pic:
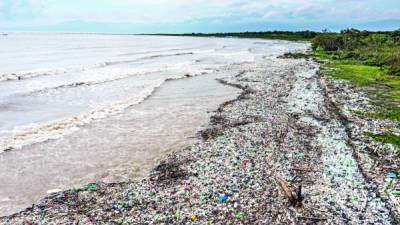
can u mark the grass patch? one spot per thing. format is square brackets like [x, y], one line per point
[360, 75]
[323, 55]
[388, 111]
[383, 88]
[388, 138]
[380, 49]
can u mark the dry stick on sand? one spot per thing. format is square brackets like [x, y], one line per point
[295, 199]
[283, 184]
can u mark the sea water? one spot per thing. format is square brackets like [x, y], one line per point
[79, 108]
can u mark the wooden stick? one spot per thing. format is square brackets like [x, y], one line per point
[283, 184]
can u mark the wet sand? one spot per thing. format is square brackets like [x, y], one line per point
[120, 148]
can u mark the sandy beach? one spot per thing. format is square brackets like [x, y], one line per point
[284, 151]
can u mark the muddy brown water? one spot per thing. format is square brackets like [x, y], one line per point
[120, 148]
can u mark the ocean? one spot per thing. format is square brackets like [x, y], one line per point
[79, 108]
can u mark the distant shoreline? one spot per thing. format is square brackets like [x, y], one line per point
[271, 35]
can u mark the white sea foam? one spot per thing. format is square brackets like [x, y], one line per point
[22, 75]
[90, 77]
[36, 133]
[55, 129]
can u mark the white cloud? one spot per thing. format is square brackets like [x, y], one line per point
[157, 11]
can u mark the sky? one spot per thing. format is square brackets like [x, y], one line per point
[179, 16]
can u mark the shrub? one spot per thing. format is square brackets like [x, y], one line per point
[394, 68]
[375, 59]
[396, 36]
[350, 55]
[328, 42]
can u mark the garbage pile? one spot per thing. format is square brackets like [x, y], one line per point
[379, 162]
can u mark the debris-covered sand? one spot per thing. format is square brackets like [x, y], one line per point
[284, 152]
[379, 163]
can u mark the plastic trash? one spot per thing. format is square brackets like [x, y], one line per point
[298, 156]
[392, 175]
[246, 180]
[245, 162]
[121, 205]
[89, 187]
[178, 214]
[185, 184]
[193, 217]
[239, 216]
[223, 197]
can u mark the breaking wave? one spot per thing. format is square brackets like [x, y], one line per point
[55, 129]
[28, 135]
[147, 58]
[32, 74]
[86, 83]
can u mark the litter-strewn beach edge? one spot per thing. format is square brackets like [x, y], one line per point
[283, 152]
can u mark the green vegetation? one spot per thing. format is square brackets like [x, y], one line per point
[381, 49]
[361, 75]
[364, 58]
[278, 35]
[389, 138]
[384, 89]
[370, 60]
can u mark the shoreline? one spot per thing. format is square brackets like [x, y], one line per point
[146, 133]
[278, 137]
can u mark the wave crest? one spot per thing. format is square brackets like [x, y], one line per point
[56, 129]
[38, 73]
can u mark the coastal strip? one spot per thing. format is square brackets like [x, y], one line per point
[276, 154]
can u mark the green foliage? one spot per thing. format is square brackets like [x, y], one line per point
[279, 35]
[361, 75]
[320, 54]
[380, 49]
[328, 42]
[365, 58]
[389, 111]
[394, 68]
[388, 138]
[384, 89]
